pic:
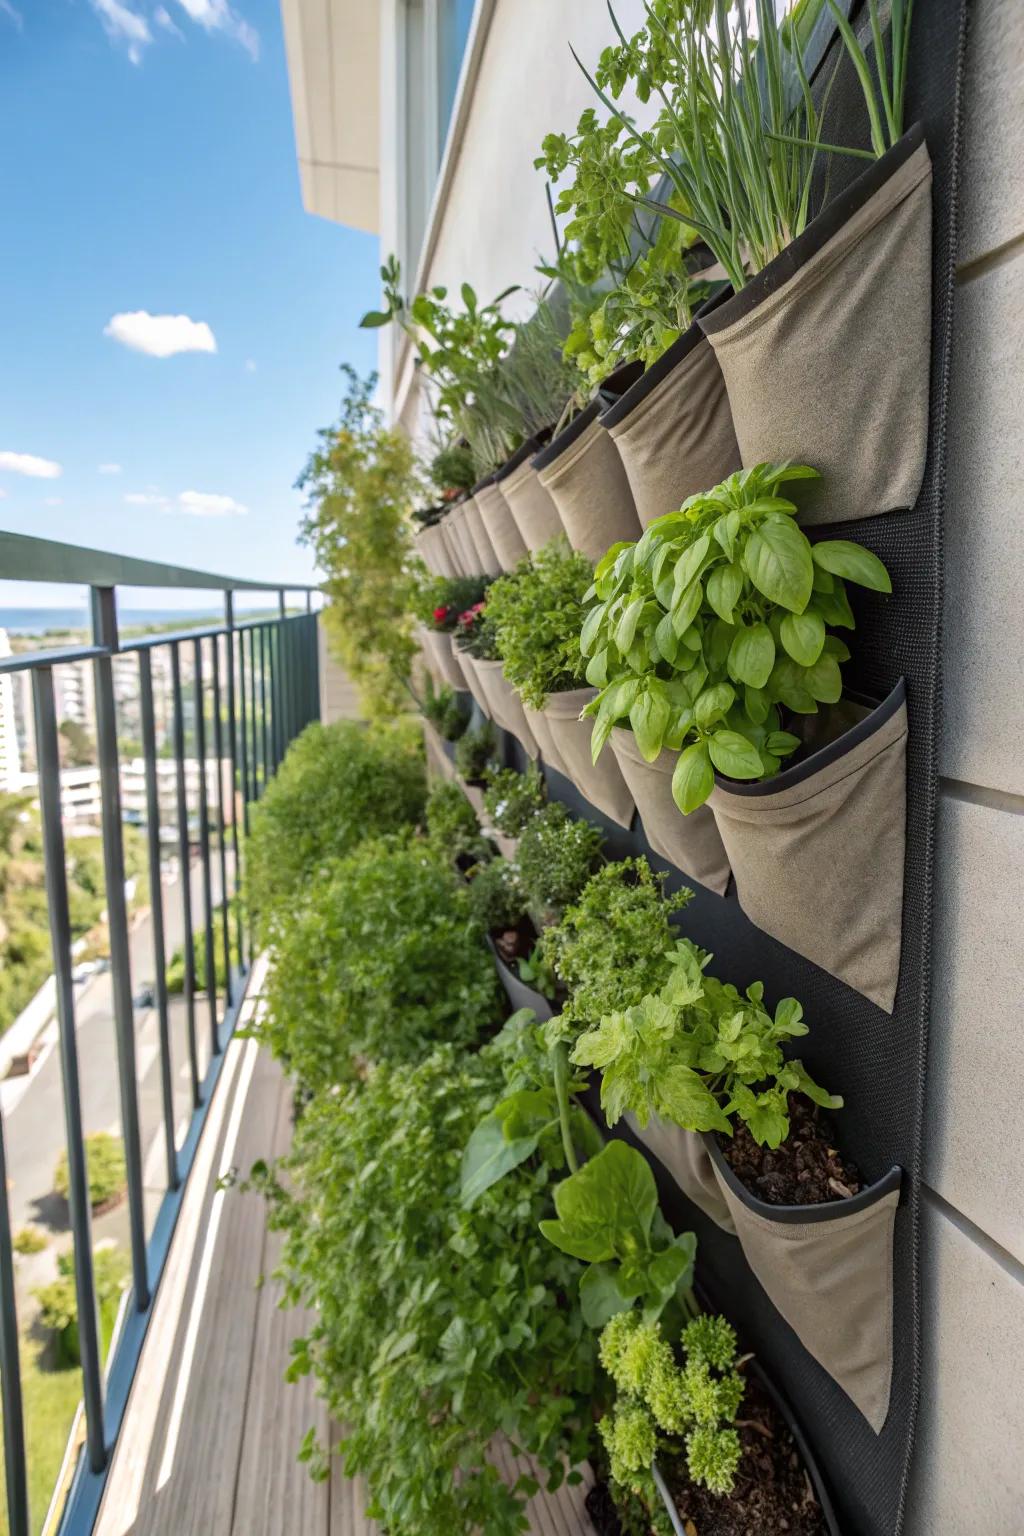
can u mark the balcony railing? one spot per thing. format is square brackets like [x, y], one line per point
[242, 690]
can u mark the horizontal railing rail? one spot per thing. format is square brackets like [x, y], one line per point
[240, 691]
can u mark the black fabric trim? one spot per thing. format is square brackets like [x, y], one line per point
[659, 370]
[818, 232]
[566, 438]
[830, 1210]
[531, 446]
[862, 731]
[621, 379]
[487, 479]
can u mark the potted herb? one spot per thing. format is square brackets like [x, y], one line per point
[510, 799]
[446, 711]
[537, 613]
[713, 1062]
[438, 606]
[452, 828]
[557, 855]
[500, 904]
[474, 756]
[477, 644]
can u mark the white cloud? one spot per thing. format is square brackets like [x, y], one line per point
[15, 16]
[220, 16]
[123, 25]
[146, 499]
[108, 469]
[208, 504]
[29, 464]
[160, 335]
[166, 21]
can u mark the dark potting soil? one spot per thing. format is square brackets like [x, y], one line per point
[806, 1170]
[772, 1495]
[515, 944]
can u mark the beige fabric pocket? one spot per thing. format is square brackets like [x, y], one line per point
[458, 540]
[469, 666]
[687, 1157]
[692, 843]
[602, 782]
[443, 660]
[486, 561]
[538, 722]
[673, 428]
[828, 1270]
[506, 707]
[826, 352]
[430, 548]
[532, 507]
[818, 851]
[588, 483]
[500, 526]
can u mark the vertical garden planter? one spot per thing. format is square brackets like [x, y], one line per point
[432, 548]
[831, 828]
[506, 707]
[602, 782]
[826, 351]
[518, 993]
[531, 505]
[538, 722]
[442, 657]
[582, 471]
[469, 665]
[500, 526]
[464, 555]
[692, 843]
[686, 1157]
[487, 562]
[673, 428]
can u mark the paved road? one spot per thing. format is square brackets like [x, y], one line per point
[33, 1107]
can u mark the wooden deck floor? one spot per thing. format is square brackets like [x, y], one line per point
[210, 1437]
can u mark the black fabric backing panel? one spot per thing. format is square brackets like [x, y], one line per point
[876, 1061]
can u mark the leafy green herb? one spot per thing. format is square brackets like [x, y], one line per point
[474, 752]
[447, 713]
[698, 1053]
[497, 898]
[441, 600]
[452, 827]
[511, 798]
[537, 611]
[557, 855]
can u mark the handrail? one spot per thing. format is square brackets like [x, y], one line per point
[23, 557]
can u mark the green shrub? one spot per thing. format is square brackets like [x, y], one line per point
[474, 752]
[537, 613]
[447, 713]
[452, 827]
[58, 1301]
[108, 1174]
[176, 964]
[511, 798]
[338, 784]
[385, 962]
[435, 1326]
[611, 947]
[557, 855]
[497, 898]
[28, 1240]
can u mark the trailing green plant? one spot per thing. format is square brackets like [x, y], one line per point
[497, 896]
[511, 798]
[337, 785]
[700, 1054]
[441, 599]
[105, 1166]
[661, 1401]
[557, 854]
[537, 611]
[715, 618]
[474, 752]
[452, 827]
[611, 947]
[434, 1325]
[384, 963]
[360, 483]
[447, 712]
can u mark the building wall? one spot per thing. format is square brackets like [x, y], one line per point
[968, 1472]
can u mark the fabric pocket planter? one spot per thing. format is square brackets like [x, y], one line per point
[463, 554]
[518, 993]
[692, 843]
[539, 724]
[828, 1270]
[487, 562]
[468, 664]
[583, 472]
[532, 508]
[441, 653]
[500, 526]
[432, 550]
[673, 428]
[826, 351]
[818, 850]
[686, 1157]
[602, 782]
[505, 704]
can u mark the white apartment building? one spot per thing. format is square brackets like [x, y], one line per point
[82, 804]
[10, 751]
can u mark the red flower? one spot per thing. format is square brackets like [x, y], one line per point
[440, 614]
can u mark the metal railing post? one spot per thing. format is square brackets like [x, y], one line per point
[15, 1463]
[222, 840]
[236, 733]
[185, 868]
[204, 844]
[156, 901]
[104, 628]
[48, 762]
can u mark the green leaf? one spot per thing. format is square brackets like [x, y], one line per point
[626, 628]
[714, 704]
[600, 1296]
[672, 1269]
[724, 586]
[824, 681]
[649, 718]
[665, 640]
[733, 755]
[781, 743]
[689, 563]
[756, 704]
[597, 669]
[374, 318]
[606, 1209]
[591, 625]
[841, 557]
[803, 635]
[686, 607]
[489, 1156]
[777, 558]
[693, 778]
[752, 655]
[682, 1096]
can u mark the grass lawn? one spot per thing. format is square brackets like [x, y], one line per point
[50, 1398]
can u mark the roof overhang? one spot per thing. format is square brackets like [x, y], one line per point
[333, 49]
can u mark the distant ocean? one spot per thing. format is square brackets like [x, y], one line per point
[35, 621]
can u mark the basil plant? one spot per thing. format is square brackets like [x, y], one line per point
[703, 631]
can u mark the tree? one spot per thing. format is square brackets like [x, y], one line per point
[77, 748]
[361, 482]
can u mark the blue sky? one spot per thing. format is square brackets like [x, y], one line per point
[147, 162]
